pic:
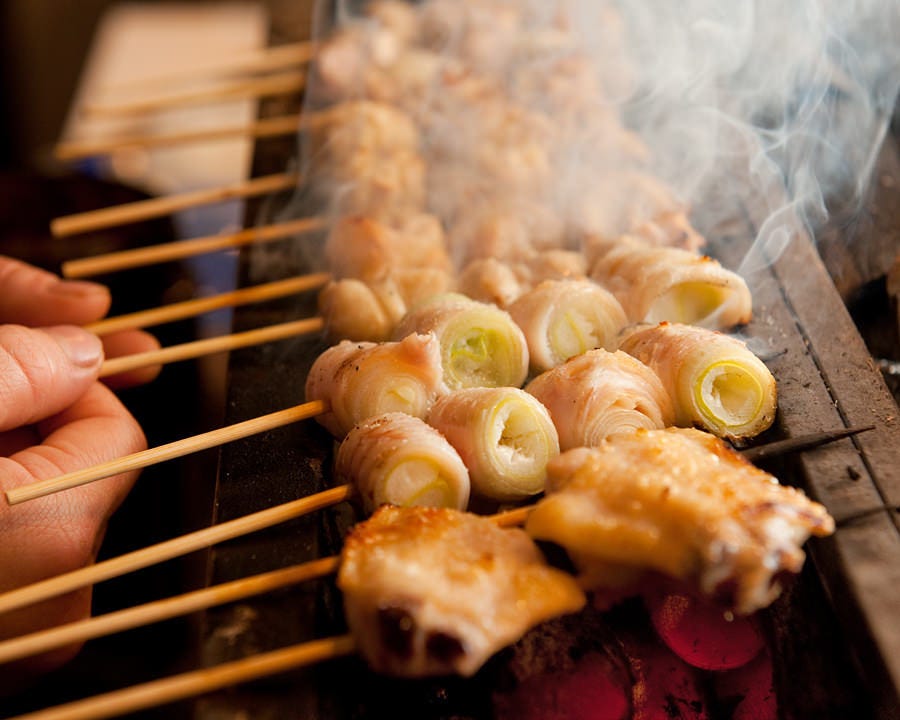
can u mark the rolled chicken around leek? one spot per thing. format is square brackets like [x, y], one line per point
[504, 436]
[599, 394]
[398, 459]
[714, 380]
[359, 380]
[481, 345]
[564, 318]
[659, 283]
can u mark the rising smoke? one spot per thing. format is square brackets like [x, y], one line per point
[770, 109]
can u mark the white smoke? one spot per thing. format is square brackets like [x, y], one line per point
[769, 109]
[776, 107]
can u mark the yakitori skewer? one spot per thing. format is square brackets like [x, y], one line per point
[803, 442]
[180, 249]
[168, 549]
[159, 610]
[276, 57]
[268, 127]
[198, 306]
[198, 682]
[172, 450]
[189, 684]
[161, 206]
[208, 346]
[281, 84]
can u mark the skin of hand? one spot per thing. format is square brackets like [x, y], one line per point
[56, 417]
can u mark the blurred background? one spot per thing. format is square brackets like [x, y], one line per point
[57, 53]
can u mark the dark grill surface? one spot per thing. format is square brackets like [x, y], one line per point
[835, 633]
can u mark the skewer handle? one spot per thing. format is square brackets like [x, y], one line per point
[198, 682]
[161, 206]
[199, 348]
[265, 128]
[159, 610]
[180, 249]
[198, 306]
[803, 442]
[282, 84]
[114, 567]
[179, 448]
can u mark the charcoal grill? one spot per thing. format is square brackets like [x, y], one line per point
[836, 632]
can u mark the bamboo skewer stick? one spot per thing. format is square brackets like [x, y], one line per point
[180, 249]
[281, 84]
[168, 549]
[130, 618]
[198, 306]
[161, 206]
[198, 682]
[268, 127]
[798, 444]
[172, 450]
[276, 57]
[209, 346]
[159, 610]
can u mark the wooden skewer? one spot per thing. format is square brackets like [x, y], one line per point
[281, 84]
[802, 442]
[269, 127]
[172, 450]
[159, 610]
[208, 346]
[198, 306]
[198, 682]
[168, 549]
[161, 206]
[180, 249]
[190, 684]
[276, 57]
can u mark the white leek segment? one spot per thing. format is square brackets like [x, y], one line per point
[715, 381]
[398, 459]
[599, 394]
[481, 345]
[359, 380]
[504, 436]
[665, 283]
[564, 318]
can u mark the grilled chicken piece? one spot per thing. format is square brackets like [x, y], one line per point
[366, 160]
[600, 393]
[564, 318]
[666, 283]
[399, 459]
[382, 270]
[364, 379]
[683, 503]
[433, 591]
[504, 436]
[714, 380]
[481, 346]
[363, 248]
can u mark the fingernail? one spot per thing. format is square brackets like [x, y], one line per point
[77, 288]
[84, 349]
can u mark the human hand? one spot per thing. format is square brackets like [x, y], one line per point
[55, 417]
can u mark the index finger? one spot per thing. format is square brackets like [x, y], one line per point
[34, 297]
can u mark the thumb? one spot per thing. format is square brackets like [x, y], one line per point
[43, 371]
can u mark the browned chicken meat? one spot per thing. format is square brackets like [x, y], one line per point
[433, 591]
[683, 503]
